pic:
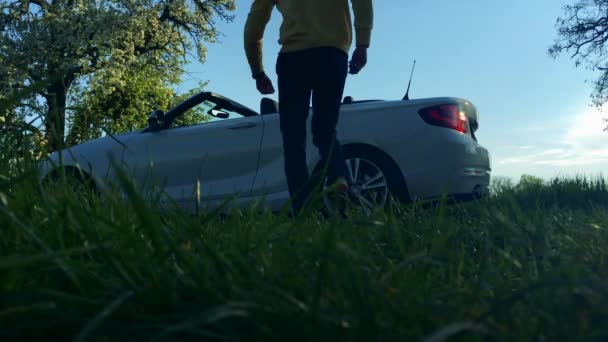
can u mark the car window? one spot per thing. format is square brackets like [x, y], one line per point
[201, 114]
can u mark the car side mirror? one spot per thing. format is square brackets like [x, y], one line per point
[156, 120]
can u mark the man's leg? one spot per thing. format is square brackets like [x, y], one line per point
[294, 102]
[328, 88]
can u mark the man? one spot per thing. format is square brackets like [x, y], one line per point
[316, 36]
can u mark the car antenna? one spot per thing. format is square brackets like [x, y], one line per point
[407, 95]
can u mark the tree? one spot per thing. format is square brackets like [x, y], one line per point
[58, 42]
[110, 105]
[530, 183]
[583, 32]
[19, 139]
[113, 104]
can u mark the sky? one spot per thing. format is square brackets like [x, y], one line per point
[535, 112]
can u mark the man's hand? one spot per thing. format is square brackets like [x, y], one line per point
[264, 85]
[358, 61]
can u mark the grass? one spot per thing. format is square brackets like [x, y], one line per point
[526, 264]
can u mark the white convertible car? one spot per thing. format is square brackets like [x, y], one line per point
[410, 149]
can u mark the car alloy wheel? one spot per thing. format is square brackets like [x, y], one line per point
[368, 186]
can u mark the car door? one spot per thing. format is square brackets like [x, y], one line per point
[222, 156]
[271, 183]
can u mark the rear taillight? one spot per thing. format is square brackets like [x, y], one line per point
[448, 116]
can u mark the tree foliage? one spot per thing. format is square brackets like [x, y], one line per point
[583, 33]
[530, 183]
[110, 105]
[114, 104]
[59, 42]
[19, 139]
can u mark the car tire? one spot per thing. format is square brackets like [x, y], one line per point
[375, 179]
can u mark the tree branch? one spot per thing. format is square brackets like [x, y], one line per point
[40, 3]
[71, 74]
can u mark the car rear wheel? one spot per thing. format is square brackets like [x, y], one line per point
[374, 181]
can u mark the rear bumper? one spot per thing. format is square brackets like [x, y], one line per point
[473, 182]
[444, 182]
[446, 164]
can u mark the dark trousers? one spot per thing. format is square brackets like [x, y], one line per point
[318, 74]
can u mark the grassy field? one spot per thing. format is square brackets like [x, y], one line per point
[529, 263]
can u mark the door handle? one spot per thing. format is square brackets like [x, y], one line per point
[243, 126]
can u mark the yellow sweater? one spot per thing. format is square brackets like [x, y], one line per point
[308, 24]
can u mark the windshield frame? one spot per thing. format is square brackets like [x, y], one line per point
[220, 102]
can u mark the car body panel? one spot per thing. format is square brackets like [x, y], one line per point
[221, 156]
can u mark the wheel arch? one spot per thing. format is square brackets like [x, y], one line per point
[396, 177]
